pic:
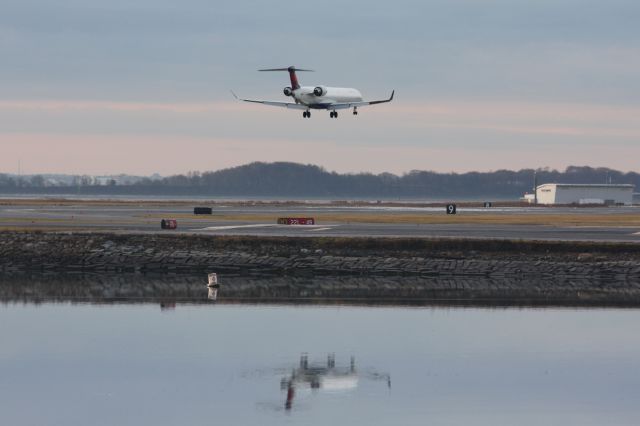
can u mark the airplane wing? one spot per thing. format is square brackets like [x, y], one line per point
[291, 105]
[346, 105]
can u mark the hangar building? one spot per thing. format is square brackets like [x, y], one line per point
[567, 193]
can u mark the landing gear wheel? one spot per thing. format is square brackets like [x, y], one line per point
[355, 112]
[335, 114]
[306, 114]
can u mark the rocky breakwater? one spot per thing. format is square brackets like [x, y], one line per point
[91, 252]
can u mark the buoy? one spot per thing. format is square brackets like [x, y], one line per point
[213, 280]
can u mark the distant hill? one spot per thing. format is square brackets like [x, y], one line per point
[282, 179]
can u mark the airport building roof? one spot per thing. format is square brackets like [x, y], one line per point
[589, 185]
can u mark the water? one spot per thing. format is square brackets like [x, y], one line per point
[69, 363]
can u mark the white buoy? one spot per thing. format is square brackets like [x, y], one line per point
[213, 280]
[213, 286]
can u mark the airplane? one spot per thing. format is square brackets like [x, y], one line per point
[307, 98]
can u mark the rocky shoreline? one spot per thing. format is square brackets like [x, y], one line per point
[490, 270]
[147, 253]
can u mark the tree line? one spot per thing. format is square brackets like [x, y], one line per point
[282, 179]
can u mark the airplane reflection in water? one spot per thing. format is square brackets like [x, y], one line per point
[320, 377]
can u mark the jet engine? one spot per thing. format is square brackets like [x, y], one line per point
[320, 91]
[287, 91]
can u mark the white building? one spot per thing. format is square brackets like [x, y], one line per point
[566, 193]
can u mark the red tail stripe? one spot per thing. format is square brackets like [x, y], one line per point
[294, 79]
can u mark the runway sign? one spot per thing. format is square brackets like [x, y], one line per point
[451, 209]
[168, 224]
[296, 221]
[202, 210]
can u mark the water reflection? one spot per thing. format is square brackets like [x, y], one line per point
[167, 306]
[328, 377]
[212, 293]
[395, 290]
[132, 364]
[212, 286]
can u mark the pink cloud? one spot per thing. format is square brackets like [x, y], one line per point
[508, 117]
[147, 137]
[78, 105]
[97, 154]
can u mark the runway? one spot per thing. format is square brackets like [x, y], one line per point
[476, 231]
[615, 224]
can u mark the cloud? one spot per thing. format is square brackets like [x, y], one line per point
[132, 107]
[144, 154]
[436, 123]
[509, 81]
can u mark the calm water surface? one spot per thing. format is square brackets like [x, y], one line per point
[137, 364]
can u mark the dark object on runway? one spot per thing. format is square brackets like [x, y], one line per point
[296, 221]
[487, 203]
[202, 210]
[451, 209]
[168, 224]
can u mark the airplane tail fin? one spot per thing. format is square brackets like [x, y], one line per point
[292, 74]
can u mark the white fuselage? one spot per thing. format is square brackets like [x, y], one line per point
[305, 96]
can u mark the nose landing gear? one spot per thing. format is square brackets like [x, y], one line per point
[333, 114]
[355, 110]
[306, 114]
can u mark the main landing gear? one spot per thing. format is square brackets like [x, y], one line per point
[333, 114]
[306, 114]
[355, 111]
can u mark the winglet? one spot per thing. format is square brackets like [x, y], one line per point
[392, 93]
[234, 95]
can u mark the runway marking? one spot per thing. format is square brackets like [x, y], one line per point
[636, 233]
[262, 225]
[226, 227]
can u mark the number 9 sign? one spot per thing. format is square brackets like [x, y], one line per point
[451, 209]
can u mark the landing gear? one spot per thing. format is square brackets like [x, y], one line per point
[355, 111]
[306, 114]
[333, 114]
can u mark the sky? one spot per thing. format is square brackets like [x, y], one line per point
[142, 87]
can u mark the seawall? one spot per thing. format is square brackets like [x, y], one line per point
[147, 253]
[37, 266]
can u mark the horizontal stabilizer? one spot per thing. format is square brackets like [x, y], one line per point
[285, 69]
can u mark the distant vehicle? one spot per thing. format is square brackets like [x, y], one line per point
[307, 98]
